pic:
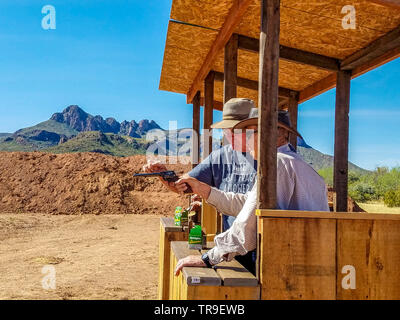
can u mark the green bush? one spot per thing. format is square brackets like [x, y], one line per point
[362, 192]
[354, 177]
[387, 181]
[392, 198]
[378, 185]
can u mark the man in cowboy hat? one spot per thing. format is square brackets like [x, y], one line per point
[299, 187]
[227, 168]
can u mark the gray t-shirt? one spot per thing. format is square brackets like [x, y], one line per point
[227, 170]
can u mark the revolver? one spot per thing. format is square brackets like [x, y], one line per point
[169, 176]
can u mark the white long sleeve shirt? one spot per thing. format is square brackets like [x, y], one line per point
[299, 187]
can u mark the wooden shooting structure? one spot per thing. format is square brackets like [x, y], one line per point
[281, 53]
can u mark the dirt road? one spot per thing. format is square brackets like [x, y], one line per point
[94, 256]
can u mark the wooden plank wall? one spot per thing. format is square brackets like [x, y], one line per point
[307, 258]
[298, 259]
[372, 247]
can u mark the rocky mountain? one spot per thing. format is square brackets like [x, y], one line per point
[79, 120]
[67, 124]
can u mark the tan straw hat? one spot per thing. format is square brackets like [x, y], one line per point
[283, 121]
[235, 110]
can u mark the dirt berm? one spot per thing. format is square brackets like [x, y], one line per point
[78, 183]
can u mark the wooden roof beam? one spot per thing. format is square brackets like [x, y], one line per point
[330, 81]
[376, 49]
[253, 85]
[292, 54]
[218, 105]
[388, 3]
[233, 19]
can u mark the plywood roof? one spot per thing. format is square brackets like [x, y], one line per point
[313, 26]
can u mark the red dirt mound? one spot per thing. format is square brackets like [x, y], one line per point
[79, 183]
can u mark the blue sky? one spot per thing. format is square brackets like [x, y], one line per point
[106, 56]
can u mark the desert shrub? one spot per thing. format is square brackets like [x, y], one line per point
[392, 198]
[354, 177]
[370, 186]
[362, 192]
[390, 180]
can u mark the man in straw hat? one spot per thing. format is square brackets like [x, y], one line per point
[299, 187]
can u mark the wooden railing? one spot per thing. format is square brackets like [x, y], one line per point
[326, 255]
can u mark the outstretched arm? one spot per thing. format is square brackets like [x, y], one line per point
[228, 203]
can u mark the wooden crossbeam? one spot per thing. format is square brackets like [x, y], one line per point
[233, 19]
[253, 85]
[377, 48]
[388, 3]
[217, 105]
[292, 54]
[330, 81]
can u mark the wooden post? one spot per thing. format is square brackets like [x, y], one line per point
[208, 113]
[196, 130]
[340, 173]
[230, 89]
[293, 110]
[168, 232]
[268, 103]
[230, 68]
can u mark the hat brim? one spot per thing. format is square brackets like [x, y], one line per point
[246, 123]
[290, 129]
[254, 122]
[225, 124]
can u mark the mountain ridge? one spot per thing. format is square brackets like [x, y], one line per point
[74, 130]
[81, 121]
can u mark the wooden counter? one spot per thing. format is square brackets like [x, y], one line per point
[228, 281]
